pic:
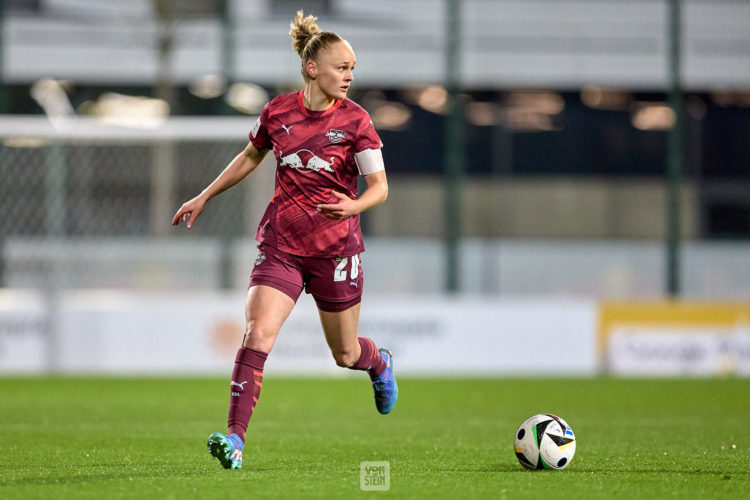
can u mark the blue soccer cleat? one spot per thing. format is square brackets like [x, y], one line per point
[386, 389]
[228, 449]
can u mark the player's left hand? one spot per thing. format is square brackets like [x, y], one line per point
[343, 208]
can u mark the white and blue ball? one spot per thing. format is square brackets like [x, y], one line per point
[545, 441]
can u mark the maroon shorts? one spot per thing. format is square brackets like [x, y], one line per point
[334, 283]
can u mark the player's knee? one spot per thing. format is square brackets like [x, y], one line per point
[258, 338]
[345, 359]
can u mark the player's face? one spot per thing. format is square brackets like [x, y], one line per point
[335, 70]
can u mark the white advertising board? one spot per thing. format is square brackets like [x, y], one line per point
[678, 352]
[460, 335]
[136, 333]
[24, 333]
[675, 338]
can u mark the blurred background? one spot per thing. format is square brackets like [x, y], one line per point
[567, 172]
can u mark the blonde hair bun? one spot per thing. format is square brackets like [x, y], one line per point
[301, 29]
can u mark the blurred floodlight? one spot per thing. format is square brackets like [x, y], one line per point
[532, 111]
[385, 114]
[483, 114]
[548, 103]
[433, 99]
[652, 116]
[609, 99]
[526, 120]
[732, 98]
[409, 95]
[246, 97]
[391, 116]
[51, 96]
[131, 111]
[207, 86]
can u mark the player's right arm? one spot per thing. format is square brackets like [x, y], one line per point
[240, 167]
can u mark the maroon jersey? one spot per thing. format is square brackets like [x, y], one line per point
[314, 156]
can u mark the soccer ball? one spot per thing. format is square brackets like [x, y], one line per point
[545, 441]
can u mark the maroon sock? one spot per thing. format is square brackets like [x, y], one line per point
[370, 359]
[247, 379]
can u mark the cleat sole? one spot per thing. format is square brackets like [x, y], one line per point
[220, 449]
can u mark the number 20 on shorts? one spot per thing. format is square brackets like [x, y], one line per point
[339, 274]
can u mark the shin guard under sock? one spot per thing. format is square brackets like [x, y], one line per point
[247, 379]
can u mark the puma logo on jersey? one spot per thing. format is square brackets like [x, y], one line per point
[287, 129]
[240, 385]
[314, 162]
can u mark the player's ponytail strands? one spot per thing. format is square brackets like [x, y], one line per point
[308, 39]
[302, 29]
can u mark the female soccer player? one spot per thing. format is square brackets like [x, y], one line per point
[309, 236]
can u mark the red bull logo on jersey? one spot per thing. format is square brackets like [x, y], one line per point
[305, 161]
[335, 135]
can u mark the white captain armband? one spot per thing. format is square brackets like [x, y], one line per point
[256, 127]
[369, 161]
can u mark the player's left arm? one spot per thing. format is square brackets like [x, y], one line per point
[370, 164]
[375, 194]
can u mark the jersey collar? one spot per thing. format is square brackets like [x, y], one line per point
[327, 111]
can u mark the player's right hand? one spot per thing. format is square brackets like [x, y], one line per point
[189, 212]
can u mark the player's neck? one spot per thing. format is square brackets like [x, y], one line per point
[315, 100]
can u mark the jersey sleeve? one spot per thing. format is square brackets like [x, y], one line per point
[259, 133]
[367, 137]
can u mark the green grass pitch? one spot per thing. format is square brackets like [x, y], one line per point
[447, 438]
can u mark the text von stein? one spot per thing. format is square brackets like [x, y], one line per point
[375, 475]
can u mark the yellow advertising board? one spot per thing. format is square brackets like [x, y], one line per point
[674, 338]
